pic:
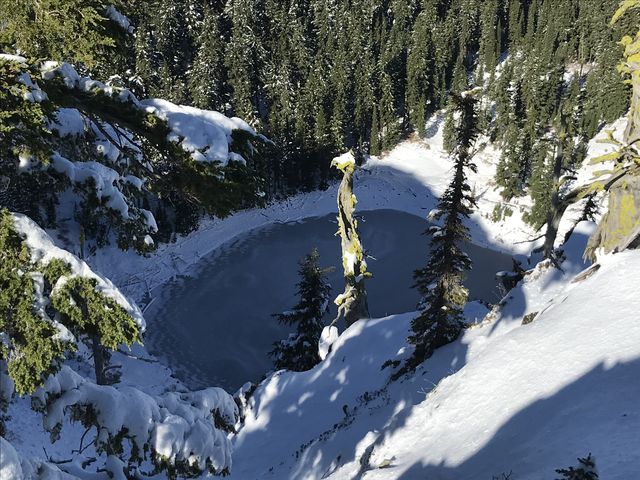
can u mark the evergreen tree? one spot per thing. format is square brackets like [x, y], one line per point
[246, 59]
[440, 317]
[375, 141]
[36, 344]
[420, 72]
[64, 30]
[501, 93]
[207, 78]
[586, 470]
[449, 127]
[542, 182]
[514, 167]
[490, 42]
[175, 47]
[390, 128]
[299, 352]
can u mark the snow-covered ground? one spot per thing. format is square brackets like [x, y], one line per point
[505, 397]
[407, 179]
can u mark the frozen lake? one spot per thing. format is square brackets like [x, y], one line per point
[215, 327]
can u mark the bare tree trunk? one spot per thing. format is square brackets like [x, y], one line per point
[99, 361]
[553, 220]
[352, 304]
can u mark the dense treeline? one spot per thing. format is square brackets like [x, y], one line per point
[319, 77]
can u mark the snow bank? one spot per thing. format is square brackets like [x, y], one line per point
[205, 134]
[178, 427]
[539, 396]
[43, 251]
[15, 467]
[549, 376]
[10, 467]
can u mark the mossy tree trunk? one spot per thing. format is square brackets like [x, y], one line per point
[619, 229]
[352, 304]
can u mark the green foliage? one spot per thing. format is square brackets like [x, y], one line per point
[449, 128]
[86, 311]
[586, 470]
[64, 30]
[541, 186]
[440, 317]
[207, 76]
[500, 212]
[22, 132]
[29, 345]
[34, 345]
[299, 352]
[421, 72]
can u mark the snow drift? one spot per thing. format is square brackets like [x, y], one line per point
[548, 376]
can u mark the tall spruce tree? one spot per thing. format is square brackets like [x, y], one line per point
[440, 318]
[245, 58]
[299, 352]
[420, 71]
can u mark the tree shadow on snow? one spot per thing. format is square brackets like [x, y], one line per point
[597, 413]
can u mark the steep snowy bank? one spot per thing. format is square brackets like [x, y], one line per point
[408, 179]
[506, 397]
[330, 420]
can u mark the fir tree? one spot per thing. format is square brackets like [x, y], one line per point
[420, 72]
[440, 317]
[36, 345]
[207, 79]
[299, 352]
[63, 30]
[542, 182]
[586, 470]
[490, 47]
[245, 59]
[449, 128]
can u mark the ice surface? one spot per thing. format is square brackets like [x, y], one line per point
[211, 334]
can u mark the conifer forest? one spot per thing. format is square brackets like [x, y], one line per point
[320, 239]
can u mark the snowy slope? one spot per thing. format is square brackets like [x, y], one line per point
[409, 179]
[505, 397]
[506, 393]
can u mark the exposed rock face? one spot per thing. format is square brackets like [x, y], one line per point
[619, 229]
